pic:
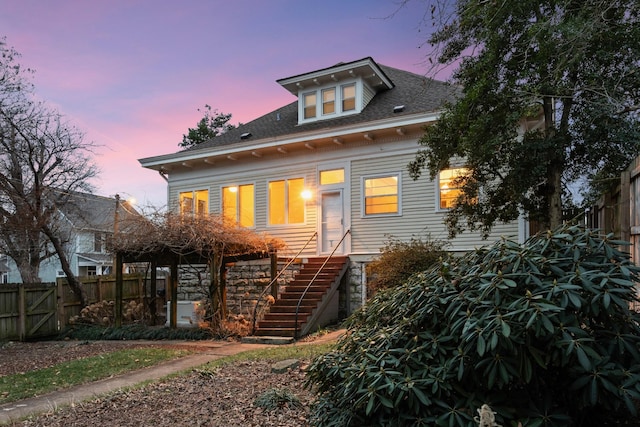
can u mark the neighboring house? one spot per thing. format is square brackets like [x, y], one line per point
[334, 160]
[86, 227]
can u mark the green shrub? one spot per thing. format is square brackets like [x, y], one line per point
[276, 398]
[542, 332]
[398, 260]
[133, 332]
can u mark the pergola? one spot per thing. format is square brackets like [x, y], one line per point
[170, 240]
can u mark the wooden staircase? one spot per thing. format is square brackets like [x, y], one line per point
[319, 306]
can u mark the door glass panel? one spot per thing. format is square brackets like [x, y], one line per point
[332, 221]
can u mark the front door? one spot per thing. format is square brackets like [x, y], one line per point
[332, 221]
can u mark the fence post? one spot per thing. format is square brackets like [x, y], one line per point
[153, 292]
[99, 289]
[173, 316]
[22, 313]
[62, 318]
[118, 304]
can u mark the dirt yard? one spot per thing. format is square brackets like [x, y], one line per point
[223, 398]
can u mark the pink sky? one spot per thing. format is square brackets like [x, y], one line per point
[133, 73]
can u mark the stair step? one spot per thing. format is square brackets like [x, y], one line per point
[275, 332]
[296, 295]
[281, 309]
[306, 278]
[283, 316]
[300, 289]
[271, 324]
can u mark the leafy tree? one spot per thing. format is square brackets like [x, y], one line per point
[542, 332]
[212, 124]
[43, 162]
[572, 63]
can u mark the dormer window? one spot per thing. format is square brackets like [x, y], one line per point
[344, 89]
[328, 101]
[309, 100]
[349, 97]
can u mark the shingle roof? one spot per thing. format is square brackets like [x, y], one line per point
[92, 212]
[416, 93]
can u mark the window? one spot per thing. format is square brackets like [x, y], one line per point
[449, 186]
[97, 242]
[286, 205]
[349, 97]
[238, 204]
[381, 195]
[334, 176]
[92, 270]
[309, 105]
[194, 202]
[329, 101]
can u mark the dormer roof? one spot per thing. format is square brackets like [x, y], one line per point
[365, 68]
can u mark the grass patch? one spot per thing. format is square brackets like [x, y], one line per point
[34, 383]
[306, 351]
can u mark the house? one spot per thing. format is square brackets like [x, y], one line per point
[332, 162]
[86, 226]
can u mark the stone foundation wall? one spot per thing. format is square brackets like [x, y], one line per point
[193, 282]
[353, 292]
[247, 279]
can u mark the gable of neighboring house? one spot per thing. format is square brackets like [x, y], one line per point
[86, 226]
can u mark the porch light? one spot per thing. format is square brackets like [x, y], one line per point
[306, 194]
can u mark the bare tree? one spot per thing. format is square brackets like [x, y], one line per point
[43, 161]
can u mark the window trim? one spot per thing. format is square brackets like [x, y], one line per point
[222, 187]
[286, 206]
[363, 196]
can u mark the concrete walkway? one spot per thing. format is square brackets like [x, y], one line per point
[214, 350]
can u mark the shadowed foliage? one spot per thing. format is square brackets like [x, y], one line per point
[541, 331]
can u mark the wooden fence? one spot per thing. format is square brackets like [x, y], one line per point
[28, 311]
[98, 288]
[41, 310]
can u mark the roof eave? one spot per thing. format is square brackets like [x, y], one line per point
[168, 161]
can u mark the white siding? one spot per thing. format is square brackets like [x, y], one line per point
[418, 215]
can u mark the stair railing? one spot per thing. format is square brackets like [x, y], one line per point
[268, 287]
[295, 327]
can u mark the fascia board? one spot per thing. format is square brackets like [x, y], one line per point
[392, 122]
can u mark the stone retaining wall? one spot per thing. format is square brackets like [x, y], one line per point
[247, 279]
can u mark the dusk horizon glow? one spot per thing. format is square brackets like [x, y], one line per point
[133, 75]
